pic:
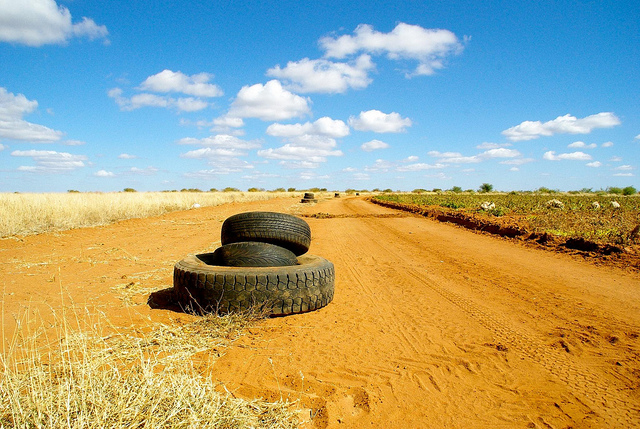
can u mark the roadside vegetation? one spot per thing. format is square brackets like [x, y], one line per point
[89, 374]
[602, 217]
[27, 214]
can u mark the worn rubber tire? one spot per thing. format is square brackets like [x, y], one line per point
[281, 229]
[276, 291]
[252, 254]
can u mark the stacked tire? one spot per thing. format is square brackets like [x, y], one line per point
[262, 263]
[309, 197]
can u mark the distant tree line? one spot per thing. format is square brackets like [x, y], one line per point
[484, 188]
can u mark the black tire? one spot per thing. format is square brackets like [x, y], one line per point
[251, 254]
[277, 291]
[280, 229]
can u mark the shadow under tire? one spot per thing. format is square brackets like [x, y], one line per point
[281, 229]
[276, 291]
[252, 254]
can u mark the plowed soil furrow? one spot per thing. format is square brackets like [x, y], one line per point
[431, 325]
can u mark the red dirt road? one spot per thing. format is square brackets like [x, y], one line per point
[431, 325]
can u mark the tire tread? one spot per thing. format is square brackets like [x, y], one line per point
[299, 289]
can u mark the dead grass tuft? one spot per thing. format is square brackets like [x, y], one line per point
[98, 376]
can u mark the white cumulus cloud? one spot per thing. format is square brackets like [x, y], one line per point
[190, 104]
[224, 124]
[573, 156]
[126, 156]
[14, 127]
[268, 102]
[49, 161]
[104, 173]
[594, 164]
[379, 122]
[487, 145]
[500, 153]
[454, 157]
[420, 166]
[145, 99]
[380, 166]
[41, 22]
[227, 123]
[299, 165]
[324, 126]
[169, 81]
[222, 141]
[148, 171]
[222, 151]
[221, 167]
[324, 76]
[567, 124]
[429, 47]
[581, 144]
[313, 149]
[373, 145]
[607, 144]
[513, 156]
[208, 153]
[517, 161]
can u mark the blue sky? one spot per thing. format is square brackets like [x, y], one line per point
[159, 95]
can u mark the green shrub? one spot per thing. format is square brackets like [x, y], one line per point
[614, 190]
[452, 205]
[486, 187]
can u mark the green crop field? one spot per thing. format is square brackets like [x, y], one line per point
[606, 219]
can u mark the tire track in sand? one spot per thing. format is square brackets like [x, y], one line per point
[610, 403]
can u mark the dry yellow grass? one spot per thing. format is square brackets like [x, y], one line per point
[92, 375]
[25, 214]
[88, 373]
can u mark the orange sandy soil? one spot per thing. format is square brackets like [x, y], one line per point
[431, 325]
